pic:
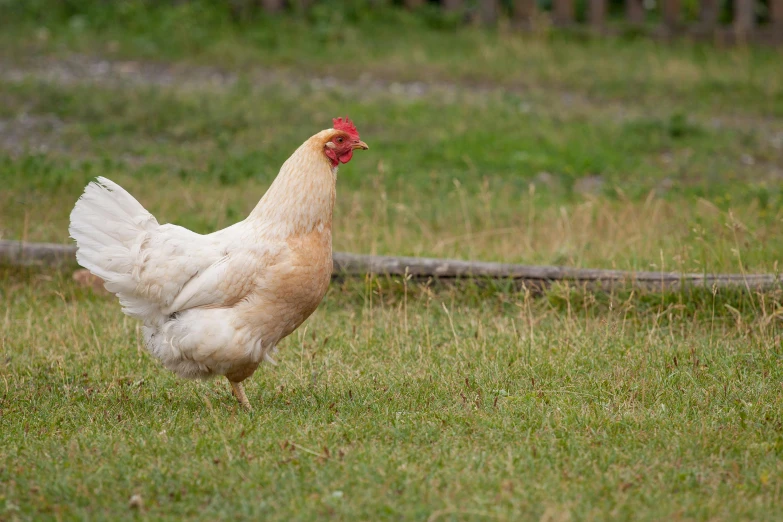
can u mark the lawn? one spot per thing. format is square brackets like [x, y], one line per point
[399, 400]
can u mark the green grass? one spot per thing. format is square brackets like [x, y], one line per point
[403, 404]
[395, 400]
[469, 177]
[349, 39]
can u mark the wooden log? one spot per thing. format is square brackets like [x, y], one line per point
[352, 264]
[347, 265]
[563, 12]
[596, 13]
[18, 253]
[634, 12]
[744, 16]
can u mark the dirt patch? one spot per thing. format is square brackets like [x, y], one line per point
[80, 69]
[31, 133]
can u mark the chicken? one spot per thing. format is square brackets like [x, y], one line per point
[218, 304]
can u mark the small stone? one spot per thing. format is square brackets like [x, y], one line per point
[136, 502]
[589, 185]
[546, 179]
[664, 186]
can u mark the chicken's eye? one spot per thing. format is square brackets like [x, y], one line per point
[339, 140]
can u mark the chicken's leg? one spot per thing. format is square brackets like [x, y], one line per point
[238, 390]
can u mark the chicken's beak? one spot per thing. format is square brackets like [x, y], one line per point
[360, 145]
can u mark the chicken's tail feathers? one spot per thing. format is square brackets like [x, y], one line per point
[109, 225]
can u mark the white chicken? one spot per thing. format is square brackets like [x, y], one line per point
[218, 304]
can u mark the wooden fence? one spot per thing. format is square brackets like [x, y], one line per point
[656, 17]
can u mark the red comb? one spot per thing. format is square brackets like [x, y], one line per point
[346, 126]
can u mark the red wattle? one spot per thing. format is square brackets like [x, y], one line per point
[345, 158]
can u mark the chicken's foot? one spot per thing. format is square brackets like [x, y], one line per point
[238, 391]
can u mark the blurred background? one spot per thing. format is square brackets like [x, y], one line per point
[633, 135]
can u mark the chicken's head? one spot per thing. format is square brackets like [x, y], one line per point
[340, 145]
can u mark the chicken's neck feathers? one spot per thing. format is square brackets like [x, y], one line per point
[300, 199]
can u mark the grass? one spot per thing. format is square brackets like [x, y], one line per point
[467, 408]
[348, 39]
[402, 401]
[550, 186]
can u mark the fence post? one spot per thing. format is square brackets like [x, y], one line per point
[671, 14]
[596, 13]
[523, 12]
[272, 6]
[488, 11]
[563, 12]
[708, 14]
[452, 5]
[776, 15]
[634, 11]
[744, 17]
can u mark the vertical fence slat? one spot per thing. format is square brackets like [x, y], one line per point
[272, 6]
[634, 11]
[671, 14]
[776, 14]
[563, 12]
[488, 11]
[708, 14]
[452, 5]
[596, 13]
[523, 11]
[744, 16]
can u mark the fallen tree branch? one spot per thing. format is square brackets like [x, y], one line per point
[21, 253]
[50, 254]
